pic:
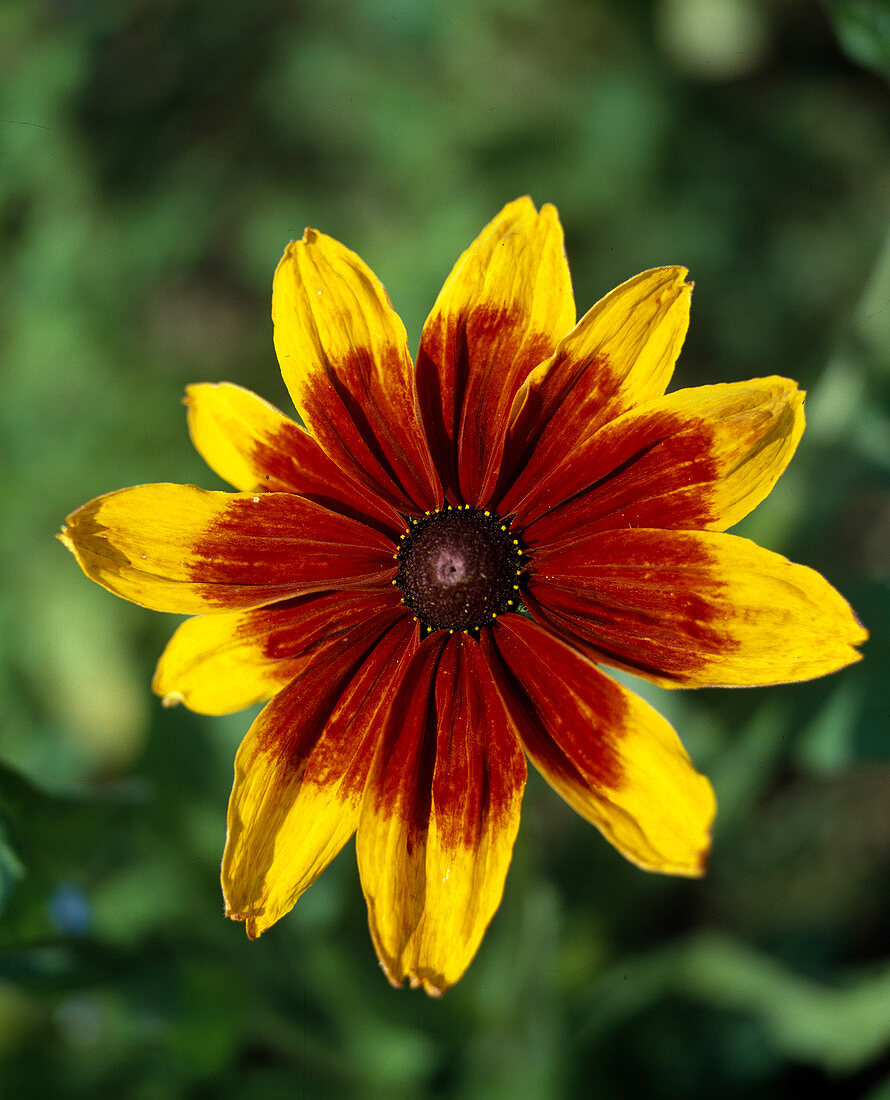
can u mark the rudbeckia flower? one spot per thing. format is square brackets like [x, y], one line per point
[427, 578]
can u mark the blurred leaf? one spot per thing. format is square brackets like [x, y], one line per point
[838, 1028]
[11, 869]
[863, 27]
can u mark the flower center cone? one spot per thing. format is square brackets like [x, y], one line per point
[458, 568]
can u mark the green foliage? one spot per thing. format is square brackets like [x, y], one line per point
[863, 27]
[154, 160]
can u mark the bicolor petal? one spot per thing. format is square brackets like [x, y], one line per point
[256, 448]
[502, 310]
[610, 755]
[182, 549]
[301, 771]
[440, 816]
[689, 608]
[344, 357]
[697, 458]
[216, 664]
[621, 354]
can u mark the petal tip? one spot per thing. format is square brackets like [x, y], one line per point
[524, 204]
[251, 926]
[859, 634]
[701, 867]
[395, 981]
[429, 986]
[433, 985]
[193, 389]
[287, 257]
[678, 280]
[676, 275]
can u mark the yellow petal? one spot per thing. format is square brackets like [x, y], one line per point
[254, 447]
[440, 816]
[216, 664]
[182, 549]
[697, 458]
[239, 435]
[689, 608]
[610, 755]
[619, 355]
[502, 310]
[344, 357]
[301, 771]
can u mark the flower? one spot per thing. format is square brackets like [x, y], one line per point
[426, 580]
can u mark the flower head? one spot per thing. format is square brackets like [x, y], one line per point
[426, 580]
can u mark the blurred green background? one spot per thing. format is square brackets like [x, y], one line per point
[155, 157]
